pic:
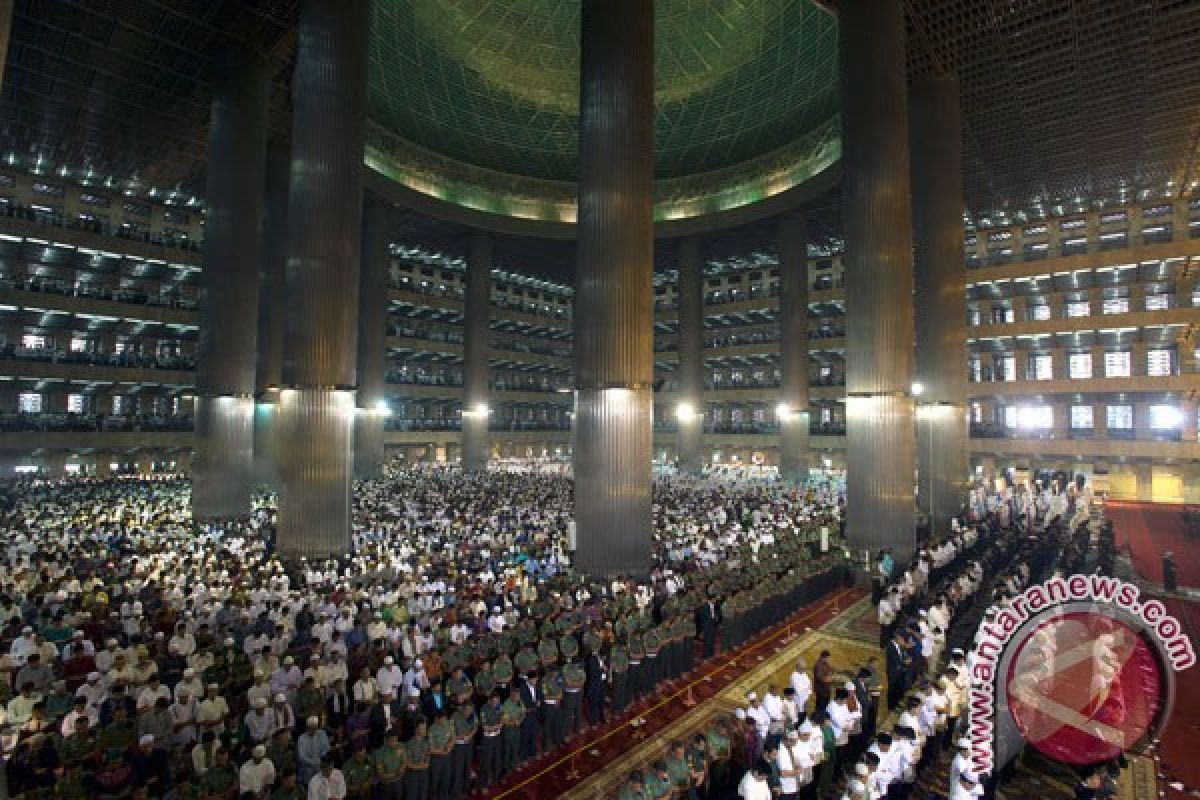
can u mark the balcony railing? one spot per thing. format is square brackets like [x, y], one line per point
[159, 238]
[85, 423]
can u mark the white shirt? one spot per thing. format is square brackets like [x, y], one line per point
[253, 777]
[331, 788]
[762, 720]
[752, 787]
[802, 683]
[787, 783]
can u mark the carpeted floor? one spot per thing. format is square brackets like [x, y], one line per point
[1181, 740]
[1150, 529]
[554, 774]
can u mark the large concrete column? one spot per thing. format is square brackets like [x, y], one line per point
[476, 344]
[793, 410]
[372, 340]
[324, 228]
[614, 315]
[271, 270]
[689, 412]
[879, 278]
[943, 467]
[224, 437]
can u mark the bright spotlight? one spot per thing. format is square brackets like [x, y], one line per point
[917, 389]
[685, 412]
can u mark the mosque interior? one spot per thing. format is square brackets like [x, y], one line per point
[363, 362]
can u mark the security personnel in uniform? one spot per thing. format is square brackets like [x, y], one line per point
[552, 711]
[491, 766]
[441, 743]
[526, 661]
[618, 664]
[502, 673]
[416, 757]
[574, 679]
[512, 714]
[548, 652]
[359, 775]
[466, 725]
[390, 761]
[650, 667]
[637, 655]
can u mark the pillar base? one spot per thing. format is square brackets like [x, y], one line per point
[224, 454]
[368, 444]
[266, 435]
[613, 444]
[793, 449]
[315, 446]
[691, 446]
[943, 468]
[880, 507]
[474, 440]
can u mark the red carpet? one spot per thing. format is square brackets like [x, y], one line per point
[1149, 530]
[1181, 740]
[556, 772]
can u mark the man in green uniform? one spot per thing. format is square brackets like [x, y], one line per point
[466, 725]
[389, 762]
[574, 679]
[441, 743]
[359, 775]
[678, 772]
[527, 660]
[485, 682]
[289, 789]
[651, 674]
[634, 788]
[637, 655]
[281, 752]
[221, 779]
[81, 747]
[416, 753]
[459, 687]
[697, 761]
[502, 673]
[658, 783]
[548, 652]
[552, 712]
[491, 717]
[618, 665]
[512, 714]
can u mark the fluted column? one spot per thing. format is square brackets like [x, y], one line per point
[793, 411]
[943, 468]
[324, 229]
[614, 316]
[271, 271]
[879, 277]
[372, 340]
[477, 316]
[689, 412]
[224, 435]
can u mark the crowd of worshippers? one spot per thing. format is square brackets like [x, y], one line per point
[150, 658]
[817, 738]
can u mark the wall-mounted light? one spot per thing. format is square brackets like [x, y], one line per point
[685, 412]
[917, 389]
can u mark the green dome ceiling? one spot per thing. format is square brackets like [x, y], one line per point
[491, 86]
